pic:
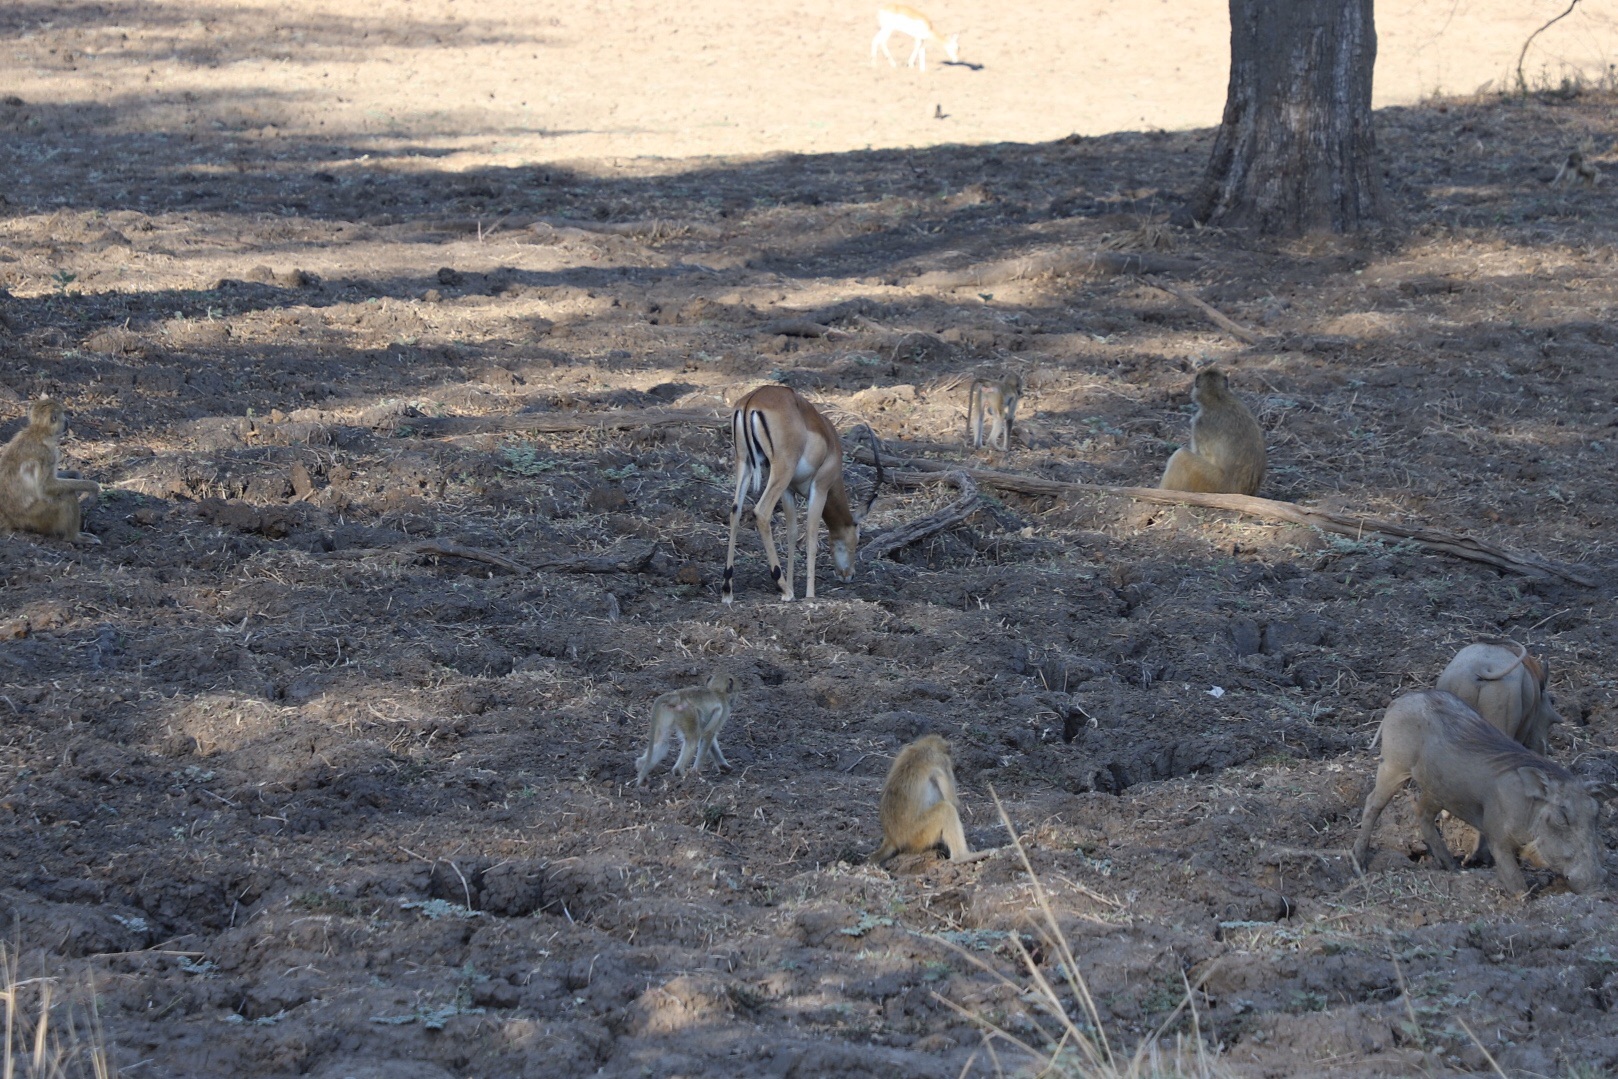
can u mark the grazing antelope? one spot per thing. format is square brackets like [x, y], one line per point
[903, 19]
[778, 432]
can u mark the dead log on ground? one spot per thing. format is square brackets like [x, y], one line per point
[555, 423]
[1441, 540]
[948, 517]
[1444, 541]
[1212, 313]
[1054, 264]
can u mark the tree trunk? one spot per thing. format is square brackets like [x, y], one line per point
[1296, 152]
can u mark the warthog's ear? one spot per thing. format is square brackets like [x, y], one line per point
[1534, 783]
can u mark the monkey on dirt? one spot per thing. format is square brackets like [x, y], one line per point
[920, 808]
[697, 716]
[994, 400]
[1225, 453]
[34, 496]
[1576, 170]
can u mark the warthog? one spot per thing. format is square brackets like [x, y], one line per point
[1519, 801]
[1507, 687]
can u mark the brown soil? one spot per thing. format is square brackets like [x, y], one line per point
[301, 810]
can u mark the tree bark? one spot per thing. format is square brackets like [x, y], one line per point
[1296, 151]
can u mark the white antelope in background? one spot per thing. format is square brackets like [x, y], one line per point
[787, 448]
[903, 19]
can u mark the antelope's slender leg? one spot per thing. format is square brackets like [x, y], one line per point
[763, 510]
[811, 542]
[743, 482]
[789, 505]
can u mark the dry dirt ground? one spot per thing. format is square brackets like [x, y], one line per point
[300, 804]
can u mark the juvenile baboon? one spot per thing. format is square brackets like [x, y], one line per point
[697, 716]
[920, 808]
[996, 401]
[34, 496]
[1226, 450]
[1576, 170]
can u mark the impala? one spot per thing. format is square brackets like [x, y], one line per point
[902, 19]
[790, 451]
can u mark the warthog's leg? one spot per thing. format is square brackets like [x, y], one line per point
[1388, 782]
[1506, 869]
[1428, 812]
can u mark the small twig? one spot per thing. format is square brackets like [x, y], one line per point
[465, 887]
[1486, 1054]
[433, 549]
[631, 558]
[1522, 83]
[145, 951]
[1280, 854]
[1217, 317]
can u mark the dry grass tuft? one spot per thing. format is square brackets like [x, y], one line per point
[49, 1034]
[1149, 234]
[1075, 1045]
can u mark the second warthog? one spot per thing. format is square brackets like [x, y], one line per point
[1508, 687]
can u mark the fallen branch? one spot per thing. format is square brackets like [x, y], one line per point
[1214, 315]
[948, 517]
[552, 423]
[651, 229]
[1457, 544]
[563, 228]
[1051, 263]
[628, 559]
[422, 549]
[797, 327]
